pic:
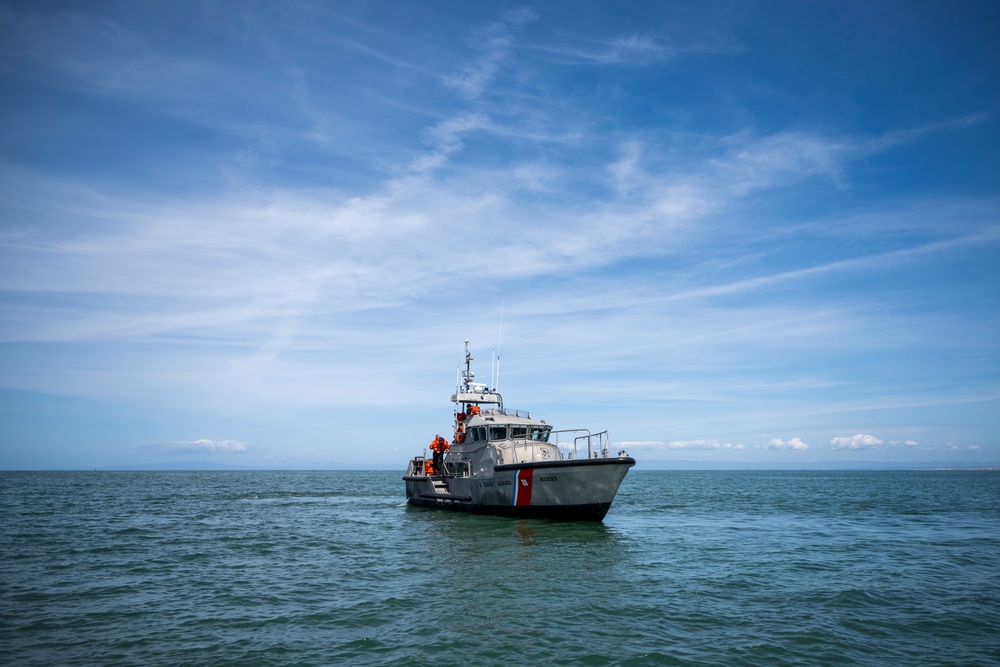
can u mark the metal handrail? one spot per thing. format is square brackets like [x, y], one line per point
[506, 412]
[602, 439]
[461, 468]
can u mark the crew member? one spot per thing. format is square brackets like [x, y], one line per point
[439, 446]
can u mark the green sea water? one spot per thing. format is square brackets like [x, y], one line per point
[331, 568]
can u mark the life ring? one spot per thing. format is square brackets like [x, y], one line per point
[460, 437]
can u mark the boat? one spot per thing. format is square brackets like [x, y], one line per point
[504, 462]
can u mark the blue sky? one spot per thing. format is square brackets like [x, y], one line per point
[257, 233]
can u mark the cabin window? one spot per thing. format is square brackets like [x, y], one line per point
[518, 432]
[498, 432]
[541, 433]
[479, 433]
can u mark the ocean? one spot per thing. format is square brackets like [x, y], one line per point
[255, 568]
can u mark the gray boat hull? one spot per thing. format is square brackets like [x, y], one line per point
[571, 490]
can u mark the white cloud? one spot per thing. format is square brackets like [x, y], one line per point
[626, 171]
[748, 163]
[859, 441]
[794, 443]
[635, 48]
[641, 444]
[694, 444]
[909, 135]
[755, 163]
[521, 16]
[705, 444]
[958, 448]
[626, 49]
[447, 139]
[208, 447]
[495, 44]
[681, 445]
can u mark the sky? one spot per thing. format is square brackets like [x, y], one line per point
[731, 233]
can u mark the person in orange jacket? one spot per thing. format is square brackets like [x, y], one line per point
[439, 446]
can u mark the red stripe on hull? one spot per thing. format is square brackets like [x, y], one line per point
[522, 487]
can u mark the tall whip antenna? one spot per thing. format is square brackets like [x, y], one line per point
[496, 382]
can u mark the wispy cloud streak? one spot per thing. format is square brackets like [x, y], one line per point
[296, 210]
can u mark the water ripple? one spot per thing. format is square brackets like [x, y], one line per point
[317, 568]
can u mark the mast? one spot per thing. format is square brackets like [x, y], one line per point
[467, 375]
[470, 392]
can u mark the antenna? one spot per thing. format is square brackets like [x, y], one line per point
[496, 382]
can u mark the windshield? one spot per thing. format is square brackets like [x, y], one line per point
[540, 433]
